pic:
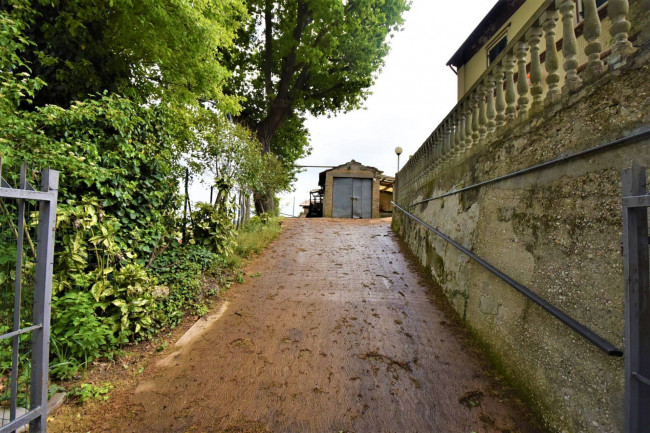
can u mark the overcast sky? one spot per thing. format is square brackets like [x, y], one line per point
[412, 94]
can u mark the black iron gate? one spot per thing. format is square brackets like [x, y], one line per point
[636, 201]
[31, 360]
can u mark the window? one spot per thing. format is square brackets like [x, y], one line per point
[580, 6]
[496, 49]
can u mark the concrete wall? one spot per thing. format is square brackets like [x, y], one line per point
[557, 231]
[355, 172]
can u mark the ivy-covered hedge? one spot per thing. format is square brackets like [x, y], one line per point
[120, 273]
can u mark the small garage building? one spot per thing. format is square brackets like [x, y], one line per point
[353, 190]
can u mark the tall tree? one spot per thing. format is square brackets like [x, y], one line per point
[307, 56]
[149, 50]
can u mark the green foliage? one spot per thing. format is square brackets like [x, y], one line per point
[298, 57]
[180, 268]
[212, 228]
[107, 148]
[23, 365]
[78, 335]
[91, 259]
[88, 391]
[256, 236]
[125, 108]
[83, 47]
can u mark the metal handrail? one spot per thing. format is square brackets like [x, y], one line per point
[643, 132]
[563, 317]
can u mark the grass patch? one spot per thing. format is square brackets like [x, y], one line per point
[254, 238]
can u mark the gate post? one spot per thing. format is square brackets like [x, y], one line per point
[43, 300]
[637, 304]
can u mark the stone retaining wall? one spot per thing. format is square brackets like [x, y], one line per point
[557, 231]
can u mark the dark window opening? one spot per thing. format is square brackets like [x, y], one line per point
[496, 49]
[581, 8]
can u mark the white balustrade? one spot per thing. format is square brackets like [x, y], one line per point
[497, 102]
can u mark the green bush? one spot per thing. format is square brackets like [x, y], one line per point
[213, 228]
[180, 268]
[78, 335]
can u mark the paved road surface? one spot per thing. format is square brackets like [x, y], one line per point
[333, 331]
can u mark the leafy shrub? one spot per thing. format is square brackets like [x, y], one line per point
[91, 259]
[213, 228]
[180, 268]
[78, 335]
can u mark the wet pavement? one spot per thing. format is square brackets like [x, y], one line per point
[334, 330]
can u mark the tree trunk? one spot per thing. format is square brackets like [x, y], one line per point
[264, 203]
[265, 130]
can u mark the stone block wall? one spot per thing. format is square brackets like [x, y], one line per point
[557, 231]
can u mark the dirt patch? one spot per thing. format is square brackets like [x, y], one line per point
[323, 342]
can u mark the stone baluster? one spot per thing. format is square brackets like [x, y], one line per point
[462, 120]
[491, 112]
[453, 121]
[622, 48]
[500, 96]
[476, 135]
[423, 162]
[434, 156]
[548, 21]
[534, 37]
[431, 155]
[443, 143]
[416, 167]
[457, 137]
[521, 51]
[438, 140]
[467, 108]
[437, 156]
[449, 139]
[482, 113]
[425, 158]
[511, 95]
[591, 27]
[569, 46]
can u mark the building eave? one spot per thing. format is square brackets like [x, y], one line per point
[493, 21]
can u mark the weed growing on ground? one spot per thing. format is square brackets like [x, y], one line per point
[87, 391]
[254, 238]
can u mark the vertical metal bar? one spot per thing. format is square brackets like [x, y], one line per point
[42, 300]
[637, 305]
[15, 342]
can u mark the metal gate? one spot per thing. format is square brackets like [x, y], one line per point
[636, 201]
[352, 197]
[32, 285]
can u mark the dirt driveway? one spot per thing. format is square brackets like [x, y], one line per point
[334, 330]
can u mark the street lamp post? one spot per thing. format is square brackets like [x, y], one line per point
[398, 152]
